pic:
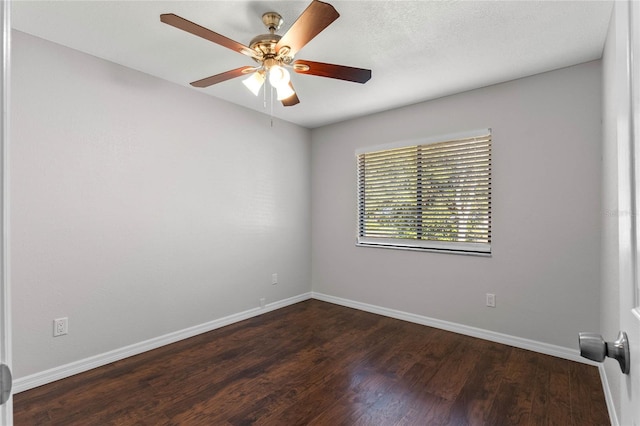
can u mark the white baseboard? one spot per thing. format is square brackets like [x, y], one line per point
[518, 342]
[38, 379]
[42, 378]
[613, 416]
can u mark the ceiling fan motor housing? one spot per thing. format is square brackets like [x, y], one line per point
[266, 43]
[273, 21]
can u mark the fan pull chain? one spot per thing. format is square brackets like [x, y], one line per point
[264, 97]
[271, 114]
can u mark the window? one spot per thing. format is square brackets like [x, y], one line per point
[432, 194]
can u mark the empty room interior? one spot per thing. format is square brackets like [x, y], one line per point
[181, 253]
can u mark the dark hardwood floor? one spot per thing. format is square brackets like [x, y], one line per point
[315, 363]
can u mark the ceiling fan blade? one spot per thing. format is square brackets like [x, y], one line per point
[291, 100]
[207, 34]
[340, 72]
[219, 78]
[315, 18]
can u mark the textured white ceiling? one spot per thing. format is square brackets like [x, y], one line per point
[417, 50]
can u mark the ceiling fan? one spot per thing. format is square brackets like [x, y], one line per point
[274, 53]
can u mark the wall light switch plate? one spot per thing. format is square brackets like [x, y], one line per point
[491, 300]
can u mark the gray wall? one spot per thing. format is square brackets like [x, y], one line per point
[139, 207]
[545, 266]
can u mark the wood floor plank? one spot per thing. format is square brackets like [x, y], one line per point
[391, 406]
[586, 395]
[356, 403]
[512, 404]
[421, 406]
[551, 400]
[454, 370]
[291, 368]
[475, 399]
[323, 364]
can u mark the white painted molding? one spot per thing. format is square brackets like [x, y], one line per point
[518, 342]
[38, 379]
[608, 397]
[42, 378]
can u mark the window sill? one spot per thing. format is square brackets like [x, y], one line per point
[424, 249]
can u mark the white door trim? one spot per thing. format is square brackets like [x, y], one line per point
[634, 132]
[6, 410]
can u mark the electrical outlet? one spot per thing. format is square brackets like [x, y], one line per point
[262, 302]
[60, 326]
[274, 279]
[491, 300]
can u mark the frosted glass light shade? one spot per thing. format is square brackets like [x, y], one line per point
[279, 77]
[254, 82]
[285, 92]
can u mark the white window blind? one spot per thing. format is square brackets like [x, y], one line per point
[433, 194]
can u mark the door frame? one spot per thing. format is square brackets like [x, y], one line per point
[628, 51]
[634, 133]
[6, 410]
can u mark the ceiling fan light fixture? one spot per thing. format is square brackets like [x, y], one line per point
[284, 92]
[274, 52]
[279, 77]
[254, 82]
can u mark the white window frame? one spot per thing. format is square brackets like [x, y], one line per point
[479, 249]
